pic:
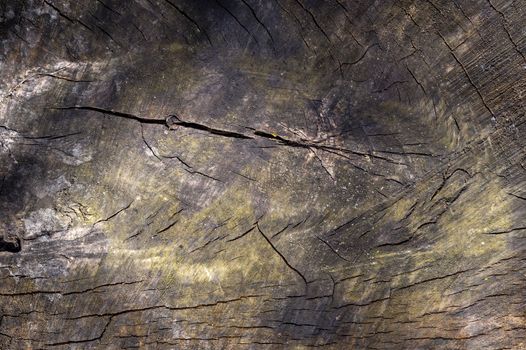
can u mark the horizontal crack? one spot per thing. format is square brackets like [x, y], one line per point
[173, 122]
[116, 114]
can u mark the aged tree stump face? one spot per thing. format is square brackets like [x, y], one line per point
[268, 174]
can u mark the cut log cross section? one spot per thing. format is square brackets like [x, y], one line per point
[273, 174]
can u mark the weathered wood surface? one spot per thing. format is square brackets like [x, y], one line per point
[268, 174]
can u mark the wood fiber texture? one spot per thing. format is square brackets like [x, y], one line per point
[262, 174]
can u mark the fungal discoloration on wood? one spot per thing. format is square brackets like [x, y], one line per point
[275, 174]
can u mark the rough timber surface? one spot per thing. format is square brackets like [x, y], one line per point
[271, 174]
